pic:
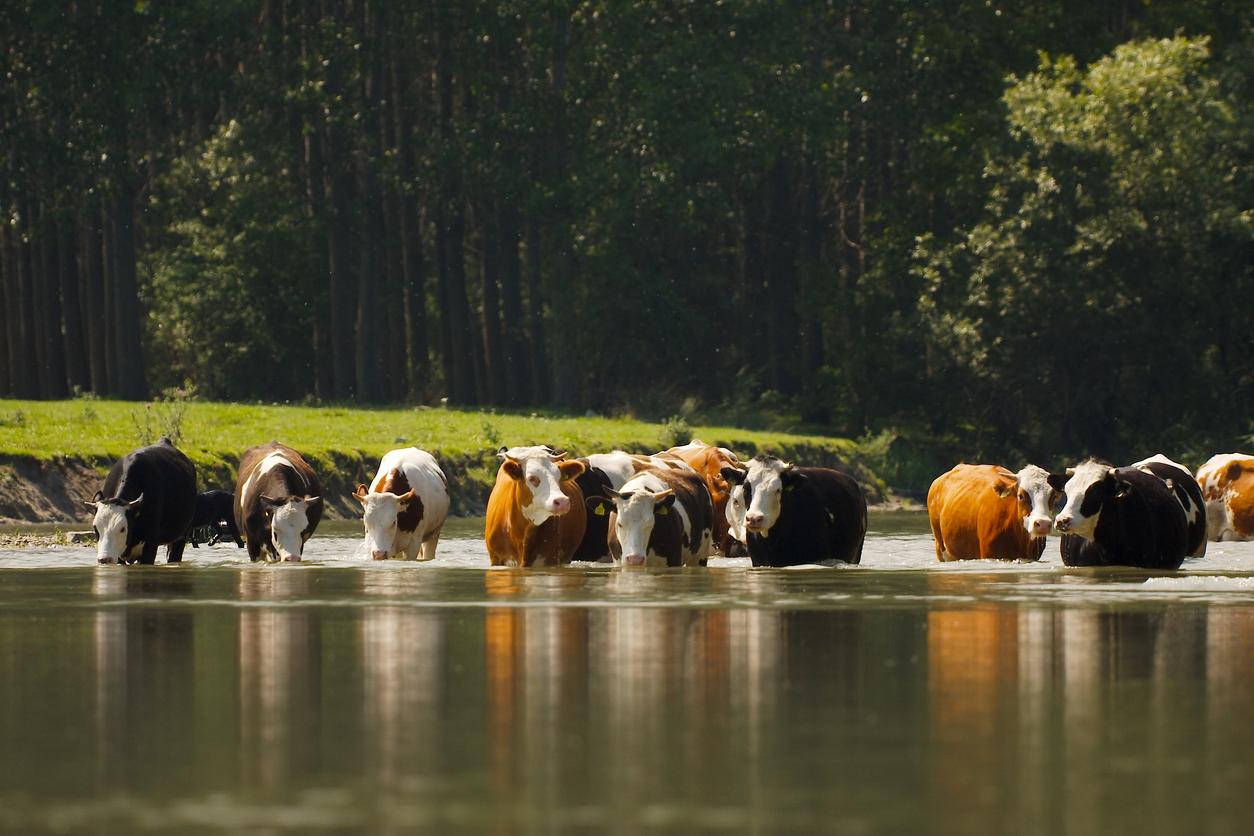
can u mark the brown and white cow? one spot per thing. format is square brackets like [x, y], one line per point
[662, 517]
[982, 511]
[536, 512]
[406, 506]
[1227, 483]
[708, 461]
[278, 502]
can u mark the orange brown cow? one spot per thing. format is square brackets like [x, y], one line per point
[1227, 483]
[536, 512]
[987, 512]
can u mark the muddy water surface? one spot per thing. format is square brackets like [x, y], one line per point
[346, 696]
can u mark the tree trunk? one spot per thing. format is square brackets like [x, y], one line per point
[489, 268]
[72, 309]
[110, 298]
[370, 334]
[35, 292]
[781, 263]
[51, 293]
[462, 390]
[409, 237]
[538, 355]
[510, 271]
[341, 283]
[94, 298]
[131, 383]
[8, 368]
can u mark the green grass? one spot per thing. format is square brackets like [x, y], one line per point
[345, 442]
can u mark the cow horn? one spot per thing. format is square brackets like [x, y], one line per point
[135, 502]
[1070, 472]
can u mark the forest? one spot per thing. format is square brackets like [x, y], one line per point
[1019, 229]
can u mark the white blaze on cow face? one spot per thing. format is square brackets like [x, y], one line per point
[1036, 500]
[381, 512]
[112, 526]
[541, 471]
[735, 512]
[288, 522]
[1083, 479]
[641, 499]
[764, 489]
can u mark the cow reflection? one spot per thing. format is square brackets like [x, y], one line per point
[403, 658]
[280, 677]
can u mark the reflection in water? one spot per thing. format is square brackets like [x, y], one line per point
[280, 677]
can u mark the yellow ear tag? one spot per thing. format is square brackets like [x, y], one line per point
[600, 510]
[789, 488]
[663, 511]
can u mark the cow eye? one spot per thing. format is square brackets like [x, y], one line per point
[533, 480]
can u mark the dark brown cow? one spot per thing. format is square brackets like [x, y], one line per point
[278, 501]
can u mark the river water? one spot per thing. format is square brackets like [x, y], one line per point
[902, 696]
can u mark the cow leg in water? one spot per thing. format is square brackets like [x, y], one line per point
[428, 546]
[149, 555]
[174, 551]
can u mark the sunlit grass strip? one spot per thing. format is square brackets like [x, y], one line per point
[103, 429]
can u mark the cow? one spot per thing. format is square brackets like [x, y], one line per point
[278, 502]
[982, 511]
[214, 518]
[709, 461]
[1187, 492]
[1227, 483]
[147, 501]
[536, 512]
[1119, 516]
[735, 516]
[405, 507]
[662, 517]
[594, 483]
[619, 467]
[797, 515]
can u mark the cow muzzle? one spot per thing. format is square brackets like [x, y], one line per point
[754, 522]
[1040, 526]
[1064, 524]
[633, 560]
[380, 554]
[559, 505]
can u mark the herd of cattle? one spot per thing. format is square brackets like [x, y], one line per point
[677, 507]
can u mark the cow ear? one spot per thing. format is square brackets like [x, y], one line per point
[360, 494]
[611, 493]
[733, 475]
[597, 505]
[791, 478]
[570, 469]
[500, 454]
[1057, 481]
[512, 469]
[1002, 489]
[662, 502]
[1233, 471]
[406, 498]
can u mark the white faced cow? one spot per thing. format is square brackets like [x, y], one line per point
[797, 515]
[406, 506]
[278, 502]
[659, 518]
[536, 510]
[148, 500]
[1119, 516]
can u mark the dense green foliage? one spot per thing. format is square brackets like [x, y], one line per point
[1014, 231]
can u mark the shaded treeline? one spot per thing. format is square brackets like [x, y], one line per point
[522, 204]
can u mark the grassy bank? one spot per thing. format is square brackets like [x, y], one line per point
[345, 443]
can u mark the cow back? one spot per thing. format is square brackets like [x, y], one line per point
[1189, 494]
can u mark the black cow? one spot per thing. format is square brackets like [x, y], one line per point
[594, 484]
[1119, 516]
[148, 500]
[661, 517]
[796, 515]
[1188, 493]
[278, 501]
[214, 519]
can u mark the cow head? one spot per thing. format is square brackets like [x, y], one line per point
[1036, 498]
[381, 513]
[637, 507]
[1087, 486]
[289, 522]
[539, 472]
[112, 523]
[765, 483]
